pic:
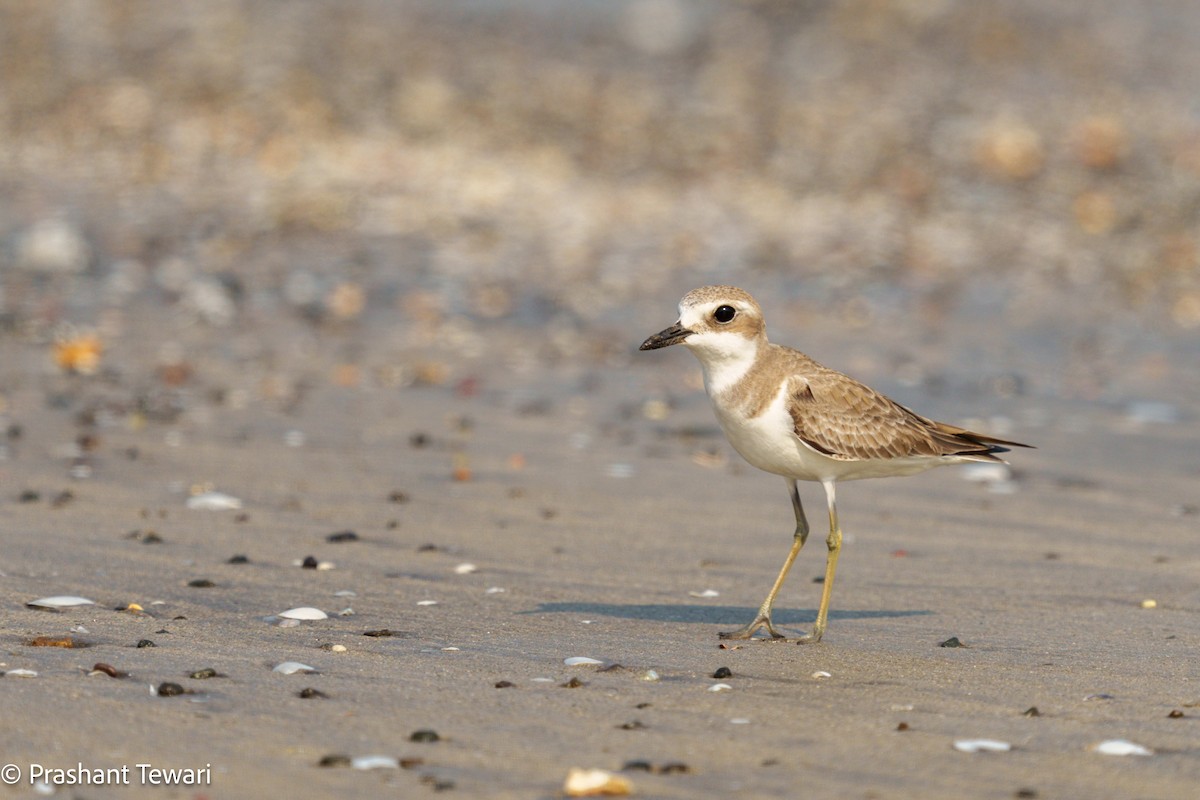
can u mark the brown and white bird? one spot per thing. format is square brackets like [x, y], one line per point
[788, 415]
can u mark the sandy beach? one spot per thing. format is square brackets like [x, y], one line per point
[380, 304]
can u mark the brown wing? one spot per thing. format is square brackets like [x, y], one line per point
[849, 421]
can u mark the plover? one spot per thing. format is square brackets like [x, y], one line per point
[788, 415]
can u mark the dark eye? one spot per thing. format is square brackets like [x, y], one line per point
[724, 314]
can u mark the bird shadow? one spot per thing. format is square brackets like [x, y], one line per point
[709, 615]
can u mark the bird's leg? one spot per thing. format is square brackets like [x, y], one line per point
[764, 611]
[834, 542]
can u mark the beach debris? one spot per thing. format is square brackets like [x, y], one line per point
[740, 721]
[1032, 711]
[309, 693]
[465, 569]
[293, 667]
[100, 668]
[374, 762]
[145, 643]
[213, 501]
[1121, 747]
[953, 641]
[981, 746]
[201, 583]
[577, 661]
[720, 687]
[504, 684]
[334, 760]
[495, 590]
[303, 613]
[19, 673]
[705, 593]
[427, 602]
[822, 674]
[238, 559]
[69, 642]
[632, 725]
[79, 354]
[573, 683]
[1148, 603]
[169, 689]
[59, 602]
[1100, 696]
[342, 537]
[205, 674]
[595, 783]
[425, 735]
[722, 673]
[1175, 713]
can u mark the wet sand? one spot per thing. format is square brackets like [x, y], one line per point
[598, 524]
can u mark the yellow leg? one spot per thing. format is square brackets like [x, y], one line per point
[834, 543]
[763, 619]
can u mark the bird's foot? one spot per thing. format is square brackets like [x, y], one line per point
[748, 631]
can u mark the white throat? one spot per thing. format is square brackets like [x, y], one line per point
[725, 356]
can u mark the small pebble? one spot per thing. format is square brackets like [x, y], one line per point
[574, 683]
[723, 673]
[201, 583]
[705, 593]
[465, 569]
[145, 643]
[309, 562]
[204, 674]
[575, 661]
[951, 642]
[108, 670]
[424, 735]
[381, 633]
[169, 689]
[1121, 747]
[427, 602]
[595, 783]
[238, 559]
[981, 746]
[342, 537]
[334, 760]
[504, 684]
[651, 675]
[632, 725]
[309, 693]
[720, 687]
[1032, 711]
[1148, 603]
[292, 667]
[903, 726]
[637, 766]
[1175, 714]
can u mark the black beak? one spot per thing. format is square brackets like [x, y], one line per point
[672, 335]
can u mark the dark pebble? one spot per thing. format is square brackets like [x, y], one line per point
[574, 683]
[428, 548]
[342, 536]
[903, 726]
[203, 674]
[424, 735]
[109, 670]
[951, 642]
[309, 562]
[201, 583]
[504, 684]
[1026, 794]
[309, 693]
[632, 725]
[170, 689]
[1175, 714]
[398, 497]
[723, 672]
[1032, 711]
[238, 559]
[334, 760]
[146, 643]
[637, 766]
[409, 763]
[419, 439]
[379, 634]
[29, 496]
[674, 768]
[242, 517]
[1100, 696]
[640, 706]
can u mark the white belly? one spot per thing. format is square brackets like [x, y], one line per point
[769, 442]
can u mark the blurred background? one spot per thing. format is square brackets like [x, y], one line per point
[389, 193]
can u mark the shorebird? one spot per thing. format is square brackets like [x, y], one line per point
[790, 416]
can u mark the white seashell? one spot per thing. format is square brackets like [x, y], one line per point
[427, 602]
[303, 612]
[495, 590]
[706, 593]
[451, 649]
[595, 783]
[575, 661]
[292, 667]
[20, 673]
[465, 569]
[542, 680]
[346, 612]
[739, 721]
[651, 675]
[60, 601]
[822, 674]
[1122, 747]
[720, 687]
[374, 762]
[981, 746]
[338, 648]
[213, 501]
[345, 593]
